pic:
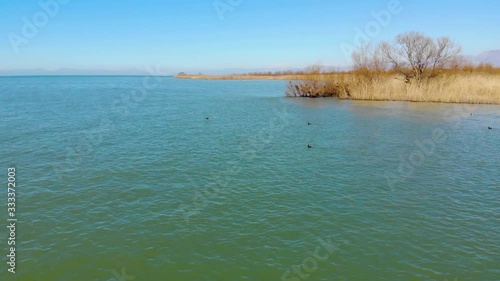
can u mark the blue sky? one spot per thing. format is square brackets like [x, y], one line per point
[183, 35]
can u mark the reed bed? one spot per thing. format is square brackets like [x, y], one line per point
[479, 84]
[450, 87]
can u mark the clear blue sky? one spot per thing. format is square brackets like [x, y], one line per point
[189, 35]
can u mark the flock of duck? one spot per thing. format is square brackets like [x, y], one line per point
[309, 124]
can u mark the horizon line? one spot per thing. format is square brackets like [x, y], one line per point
[41, 75]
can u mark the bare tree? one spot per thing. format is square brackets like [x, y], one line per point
[314, 69]
[417, 57]
[369, 62]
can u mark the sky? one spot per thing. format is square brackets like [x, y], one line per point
[126, 36]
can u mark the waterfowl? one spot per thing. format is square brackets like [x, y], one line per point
[309, 146]
[309, 123]
[490, 128]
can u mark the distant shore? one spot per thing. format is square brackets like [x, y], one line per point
[453, 87]
[244, 77]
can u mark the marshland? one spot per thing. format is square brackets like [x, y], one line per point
[414, 67]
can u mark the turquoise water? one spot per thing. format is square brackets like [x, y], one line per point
[118, 179]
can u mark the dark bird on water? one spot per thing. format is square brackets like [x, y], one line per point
[309, 146]
[309, 123]
[207, 118]
[490, 128]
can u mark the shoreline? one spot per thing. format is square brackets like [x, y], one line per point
[242, 77]
[475, 88]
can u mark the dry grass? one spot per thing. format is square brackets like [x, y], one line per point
[244, 77]
[448, 88]
[474, 85]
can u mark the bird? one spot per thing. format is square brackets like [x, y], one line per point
[490, 128]
[309, 123]
[206, 118]
[309, 146]
[472, 114]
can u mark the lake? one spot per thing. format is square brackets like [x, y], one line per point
[155, 178]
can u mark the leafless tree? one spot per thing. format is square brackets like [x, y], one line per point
[417, 57]
[369, 62]
[314, 69]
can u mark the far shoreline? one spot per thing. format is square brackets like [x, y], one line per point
[456, 89]
[241, 77]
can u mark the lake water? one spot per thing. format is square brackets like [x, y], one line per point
[124, 178]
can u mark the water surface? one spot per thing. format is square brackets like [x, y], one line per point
[113, 180]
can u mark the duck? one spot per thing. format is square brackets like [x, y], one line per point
[309, 146]
[490, 128]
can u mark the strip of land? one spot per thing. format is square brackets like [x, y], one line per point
[412, 67]
[244, 77]
[478, 87]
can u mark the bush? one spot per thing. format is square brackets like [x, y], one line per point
[317, 89]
